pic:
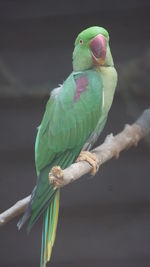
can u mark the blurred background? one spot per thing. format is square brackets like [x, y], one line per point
[104, 221]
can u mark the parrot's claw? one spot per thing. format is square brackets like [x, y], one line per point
[56, 177]
[91, 159]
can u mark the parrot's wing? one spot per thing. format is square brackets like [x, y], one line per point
[71, 115]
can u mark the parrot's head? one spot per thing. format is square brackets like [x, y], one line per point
[92, 49]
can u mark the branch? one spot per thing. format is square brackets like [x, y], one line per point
[14, 211]
[111, 147]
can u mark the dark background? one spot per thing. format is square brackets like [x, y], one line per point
[104, 221]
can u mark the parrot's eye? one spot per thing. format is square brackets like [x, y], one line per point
[81, 42]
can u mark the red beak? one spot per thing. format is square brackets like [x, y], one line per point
[98, 49]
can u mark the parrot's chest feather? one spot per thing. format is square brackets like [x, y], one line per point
[109, 78]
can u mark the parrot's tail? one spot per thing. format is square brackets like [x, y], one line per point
[50, 219]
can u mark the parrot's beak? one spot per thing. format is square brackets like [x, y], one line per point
[98, 49]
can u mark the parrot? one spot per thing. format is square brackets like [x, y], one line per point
[75, 116]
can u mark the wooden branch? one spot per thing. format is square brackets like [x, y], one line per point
[111, 147]
[14, 211]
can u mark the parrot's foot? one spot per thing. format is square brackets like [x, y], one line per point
[91, 159]
[108, 140]
[56, 177]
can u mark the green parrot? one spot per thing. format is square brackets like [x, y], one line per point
[75, 115]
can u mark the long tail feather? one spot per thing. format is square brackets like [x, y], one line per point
[50, 220]
[45, 200]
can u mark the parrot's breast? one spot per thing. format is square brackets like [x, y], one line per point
[109, 78]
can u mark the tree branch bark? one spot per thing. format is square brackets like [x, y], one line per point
[111, 147]
[14, 211]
